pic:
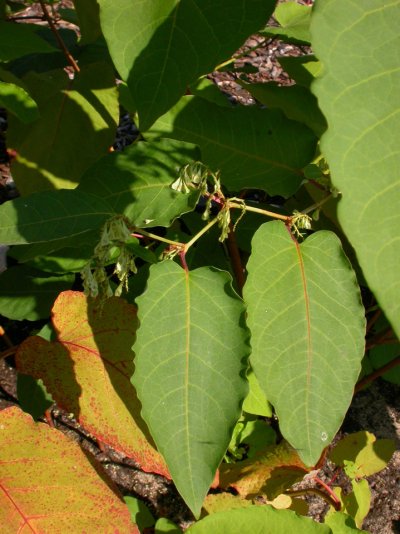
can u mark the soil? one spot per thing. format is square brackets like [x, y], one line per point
[376, 409]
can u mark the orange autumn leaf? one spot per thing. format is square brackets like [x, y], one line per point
[87, 370]
[271, 472]
[48, 484]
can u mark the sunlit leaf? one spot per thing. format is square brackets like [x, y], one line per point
[78, 120]
[191, 349]
[159, 47]
[271, 471]
[137, 182]
[252, 148]
[49, 485]
[29, 294]
[368, 454]
[360, 144]
[88, 369]
[294, 22]
[16, 100]
[307, 323]
[50, 216]
[263, 519]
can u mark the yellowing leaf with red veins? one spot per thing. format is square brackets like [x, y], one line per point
[270, 472]
[88, 369]
[48, 484]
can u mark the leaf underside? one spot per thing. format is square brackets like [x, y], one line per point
[308, 326]
[359, 95]
[191, 351]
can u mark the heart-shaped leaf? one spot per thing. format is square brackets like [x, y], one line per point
[137, 182]
[88, 369]
[47, 484]
[361, 143]
[252, 148]
[307, 323]
[191, 351]
[257, 519]
[161, 46]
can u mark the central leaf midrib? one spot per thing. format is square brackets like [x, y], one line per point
[309, 340]
[186, 388]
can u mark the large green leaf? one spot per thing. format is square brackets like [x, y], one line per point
[307, 324]
[77, 124]
[191, 352]
[359, 95]
[17, 40]
[257, 519]
[29, 294]
[253, 148]
[296, 102]
[51, 215]
[137, 182]
[161, 46]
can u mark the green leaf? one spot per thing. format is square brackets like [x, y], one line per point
[252, 148]
[29, 294]
[161, 46]
[308, 326]
[205, 88]
[77, 124]
[51, 215]
[294, 20]
[296, 102]
[341, 523]
[357, 503]
[165, 525]
[137, 182]
[256, 402]
[271, 472]
[58, 255]
[140, 514]
[303, 69]
[360, 144]
[263, 519]
[191, 353]
[368, 454]
[16, 100]
[383, 354]
[88, 19]
[18, 40]
[33, 396]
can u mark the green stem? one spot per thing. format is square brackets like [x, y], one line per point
[176, 244]
[316, 491]
[187, 245]
[376, 374]
[317, 204]
[272, 214]
[60, 41]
